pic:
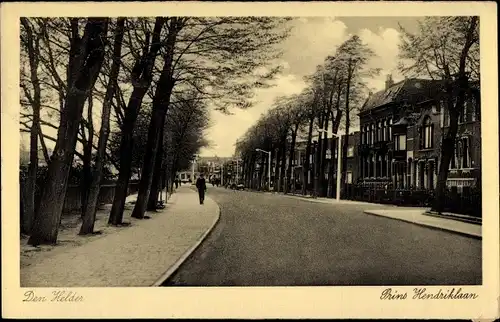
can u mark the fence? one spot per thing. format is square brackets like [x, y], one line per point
[73, 199]
[467, 202]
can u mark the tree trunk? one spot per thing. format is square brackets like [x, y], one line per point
[87, 65]
[333, 148]
[32, 45]
[90, 210]
[344, 154]
[322, 163]
[141, 80]
[283, 168]
[87, 158]
[277, 158]
[305, 170]
[448, 144]
[317, 157]
[447, 151]
[263, 166]
[291, 157]
[350, 68]
[153, 196]
[161, 103]
[126, 146]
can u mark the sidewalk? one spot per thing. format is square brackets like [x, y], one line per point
[328, 200]
[418, 216]
[144, 254]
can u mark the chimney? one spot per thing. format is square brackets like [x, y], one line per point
[388, 81]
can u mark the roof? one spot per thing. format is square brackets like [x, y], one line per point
[409, 90]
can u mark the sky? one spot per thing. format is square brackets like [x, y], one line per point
[311, 40]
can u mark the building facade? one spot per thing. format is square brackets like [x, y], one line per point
[299, 158]
[402, 128]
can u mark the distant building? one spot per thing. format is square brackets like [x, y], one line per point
[299, 159]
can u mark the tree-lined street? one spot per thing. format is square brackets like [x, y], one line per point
[265, 240]
[125, 106]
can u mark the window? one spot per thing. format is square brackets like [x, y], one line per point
[446, 113]
[473, 108]
[372, 134]
[350, 151]
[400, 142]
[477, 108]
[379, 131]
[441, 115]
[455, 159]
[427, 134]
[390, 129]
[465, 153]
[348, 178]
[462, 117]
[383, 131]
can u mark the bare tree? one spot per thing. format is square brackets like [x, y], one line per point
[30, 43]
[446, 49]
[216, 57]
[141, 77]
[353, 57]
[85, 60]
[91, 202]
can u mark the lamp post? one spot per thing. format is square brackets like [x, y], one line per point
[268, 167]
[339, 153]
[192, 169]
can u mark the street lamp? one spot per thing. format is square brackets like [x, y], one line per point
[268, 167]
[192, 169]
[338, 159]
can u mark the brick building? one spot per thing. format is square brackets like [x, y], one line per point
[352, 164]
[401, 131]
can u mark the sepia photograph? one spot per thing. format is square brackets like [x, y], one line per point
[183, 153]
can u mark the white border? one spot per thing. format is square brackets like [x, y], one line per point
[258, 302]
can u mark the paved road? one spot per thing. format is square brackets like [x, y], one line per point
[271, 240]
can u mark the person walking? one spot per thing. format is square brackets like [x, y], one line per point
[202, 187]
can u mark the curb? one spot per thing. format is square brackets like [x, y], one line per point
[427, 225]
[453, 217]
[333, 201]
[174, 267]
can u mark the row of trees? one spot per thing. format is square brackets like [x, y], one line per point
[443, 48]
[151, 79]
[331, 100]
